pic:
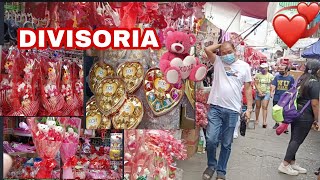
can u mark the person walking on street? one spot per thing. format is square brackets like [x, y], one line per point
[225, 104]
[280, 84]
[309, 91]
[263, 87]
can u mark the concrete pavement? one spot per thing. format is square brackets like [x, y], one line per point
[258, 155]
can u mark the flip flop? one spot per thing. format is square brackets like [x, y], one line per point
[207, 174]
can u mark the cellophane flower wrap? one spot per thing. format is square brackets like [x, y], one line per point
[51, 98]
[150, 154]
[47, 134]
[68, 90]
[69, 146]
[11, 68]
[79, 88]
[202, 95]
[24, 90]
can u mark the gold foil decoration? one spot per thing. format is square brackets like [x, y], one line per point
[129, 115]
[132, 73]
[110, 95]
[161, 96]
[94, 118]
[97, 73]
[190, 92]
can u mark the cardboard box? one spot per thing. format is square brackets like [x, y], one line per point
[186, 122]
[295, 74]
[191, 140]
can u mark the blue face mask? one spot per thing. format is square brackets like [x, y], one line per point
[229, 58]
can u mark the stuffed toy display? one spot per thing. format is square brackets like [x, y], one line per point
[176, 63]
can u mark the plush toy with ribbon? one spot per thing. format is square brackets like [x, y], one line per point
[176, 63]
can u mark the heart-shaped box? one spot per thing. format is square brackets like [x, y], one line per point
[110, 95]
[94, 118]
[132, 74]
[161, 96]
[129, 115]
[97, 73]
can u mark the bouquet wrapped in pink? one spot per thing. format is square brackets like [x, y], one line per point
[149, 154]
[48, 134]
[201, 114]
[69, 146]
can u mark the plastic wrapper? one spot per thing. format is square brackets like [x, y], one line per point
[24, 89]
[79, 88]
[48, 134]
[69, 146]
[68, 90]
[9, 97]
[201, 114]
[150, 153]
[51, 98]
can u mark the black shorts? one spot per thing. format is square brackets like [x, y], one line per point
[275, 102]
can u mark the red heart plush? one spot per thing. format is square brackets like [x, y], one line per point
[290, 30]
[310, 11]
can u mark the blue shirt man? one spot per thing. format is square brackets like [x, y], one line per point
[280, 84]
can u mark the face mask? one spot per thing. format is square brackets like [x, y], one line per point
[281, 73]
[263, 71]
[229, 58]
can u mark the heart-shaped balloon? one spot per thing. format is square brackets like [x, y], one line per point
[94, 118]
[185, 66]
[97, 73]
[110, 95]
[161, 96]
[129, 115]
[132, 74]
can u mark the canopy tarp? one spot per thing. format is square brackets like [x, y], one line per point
[253, 9]
[312, 52]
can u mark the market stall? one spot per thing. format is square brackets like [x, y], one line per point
[45, 148]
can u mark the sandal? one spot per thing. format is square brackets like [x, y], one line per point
[264, 126]
[207, 174]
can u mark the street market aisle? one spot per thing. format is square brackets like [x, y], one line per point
[258, 155]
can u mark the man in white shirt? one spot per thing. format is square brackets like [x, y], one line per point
[225, 104]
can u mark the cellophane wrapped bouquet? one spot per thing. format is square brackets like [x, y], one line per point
[51, 97]
[150, 154]
[79, 88]
[202, 95]
[11, 67]
[69, 146]
[68, 90]
[26, 101]
[48, 134]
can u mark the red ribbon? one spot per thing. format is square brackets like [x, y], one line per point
[71, 162]
[46, 167]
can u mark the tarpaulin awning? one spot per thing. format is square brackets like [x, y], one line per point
[313, 51]
[253, 9]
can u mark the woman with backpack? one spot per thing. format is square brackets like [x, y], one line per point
[309, 92]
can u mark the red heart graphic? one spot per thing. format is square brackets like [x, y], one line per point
[310, 11]
[290, 30]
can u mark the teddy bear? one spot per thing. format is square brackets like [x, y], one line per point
[176, 63]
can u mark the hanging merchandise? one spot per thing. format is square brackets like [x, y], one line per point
[150, 155]
[176, 64]
[41, 83]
